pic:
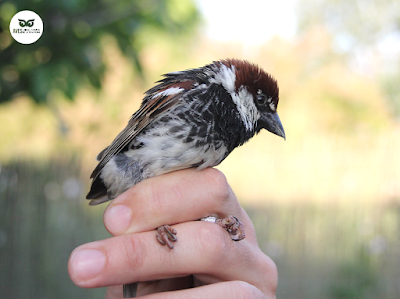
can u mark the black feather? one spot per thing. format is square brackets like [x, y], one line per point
[97, 190]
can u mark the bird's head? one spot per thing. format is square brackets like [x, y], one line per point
[255, 93]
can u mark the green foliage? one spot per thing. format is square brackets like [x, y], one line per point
[42, 219]
[355, 280]
[69, 53]
[332, 251]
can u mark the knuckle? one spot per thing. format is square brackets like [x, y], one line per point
[134, 251]
[220, 188]
[150, 199]
[214, 244]
[268, 275]
[244, 290]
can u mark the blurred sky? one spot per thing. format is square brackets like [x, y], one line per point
[252, 22]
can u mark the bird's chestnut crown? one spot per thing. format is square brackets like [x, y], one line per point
[262, 86]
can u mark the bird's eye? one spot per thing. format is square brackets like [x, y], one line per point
[261, 99]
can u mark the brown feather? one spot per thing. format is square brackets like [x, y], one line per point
[254, 78]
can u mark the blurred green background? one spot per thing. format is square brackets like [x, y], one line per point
[325, 203]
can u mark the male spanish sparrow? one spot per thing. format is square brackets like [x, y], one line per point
[191, 118]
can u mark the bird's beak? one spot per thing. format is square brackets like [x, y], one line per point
[271, 122]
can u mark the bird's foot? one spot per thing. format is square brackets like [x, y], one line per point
[231, 224]
[166, 235]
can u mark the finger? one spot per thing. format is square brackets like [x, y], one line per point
[150, 287]
[221, 290]
[138, 257]
[229, 289]
[172, 198]
[114, 292]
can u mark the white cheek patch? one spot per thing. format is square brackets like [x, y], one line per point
[243, 99]
[246, 107]
[168, 92]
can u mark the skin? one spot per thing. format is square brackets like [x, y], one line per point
[205, 262]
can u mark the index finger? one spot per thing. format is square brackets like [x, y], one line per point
[172, 198]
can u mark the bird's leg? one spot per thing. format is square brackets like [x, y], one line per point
[231, 224]
[130, 290]
[166, 235]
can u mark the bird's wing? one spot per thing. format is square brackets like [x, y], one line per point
[158, 100]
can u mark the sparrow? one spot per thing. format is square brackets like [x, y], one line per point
[191, 118]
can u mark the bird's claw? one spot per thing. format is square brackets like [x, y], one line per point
[233, 226]
[166, 235]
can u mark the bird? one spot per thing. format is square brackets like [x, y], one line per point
[191, 118]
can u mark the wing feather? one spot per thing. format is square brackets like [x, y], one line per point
[151, 107]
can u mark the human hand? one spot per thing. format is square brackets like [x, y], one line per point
[205, 262]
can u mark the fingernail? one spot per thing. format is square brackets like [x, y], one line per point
[118, 219]
[87, 263]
